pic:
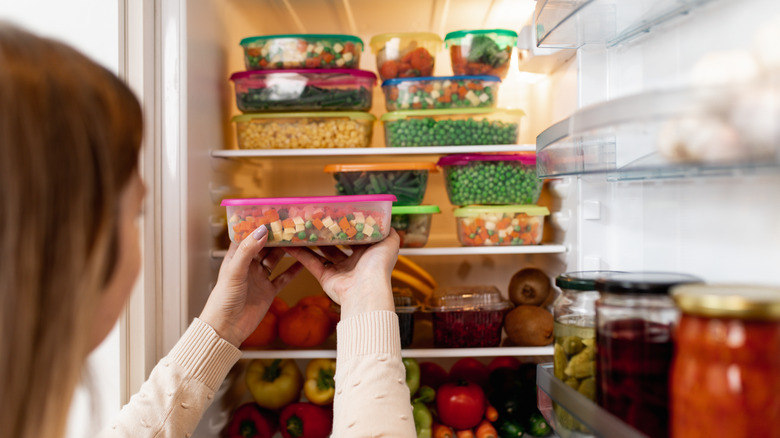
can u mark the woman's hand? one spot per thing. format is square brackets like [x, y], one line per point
[244, 290]
[359, 282]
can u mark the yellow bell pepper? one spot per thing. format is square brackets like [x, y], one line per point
[320, 385]
[274, 383]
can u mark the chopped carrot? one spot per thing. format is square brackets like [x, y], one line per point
[394, 93]
[288, 223]
[486, 430]
[442, 431]
[483, 234]
[491, 413]
[318, 214]
[428, 88]
[462, 91]
[302, 45]
[503, 223]
[445, 99]
[344, 223]
[417, 105]
[480, 222]
[351, 231]
[317, 223]
[454, 87]
[327, 58]
[412, 89]
[478, 241]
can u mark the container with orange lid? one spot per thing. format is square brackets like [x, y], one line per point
[726, 371]
[407, 181]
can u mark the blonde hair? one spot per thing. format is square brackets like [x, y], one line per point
[70, 132]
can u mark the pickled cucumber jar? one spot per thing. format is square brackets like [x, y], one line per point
[635, 321]
[574, 313]
[725, 379]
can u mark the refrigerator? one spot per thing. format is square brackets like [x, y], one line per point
[604, 84]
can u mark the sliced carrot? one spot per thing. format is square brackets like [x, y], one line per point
[351, 231]
[344, 223]
[317, 223]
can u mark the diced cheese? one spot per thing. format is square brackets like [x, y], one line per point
[490, 225]
[370, 221]
[501, 234]
[264, 51]
[340, 62]
[347, 57]
[276, 227]
[515, 221]
[310, 48]
[359, 218]
[327, 222]
[435, 94]
[352, 222]
[484, 97]
[368, 230]
[234, 219]
[405, 105]
[334, 229]
[299, 228]
[297, 220]
[319, 49]
[416, 99]
[446, 84]
[288, 236]
[276, 58]
[436, 86]
[288, 230]
[509, 229]
[429, 100]
[338, 47]
[470, 95]
[488, 242]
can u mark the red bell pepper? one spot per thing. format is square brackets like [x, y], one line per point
[251, 421]
[305, 420]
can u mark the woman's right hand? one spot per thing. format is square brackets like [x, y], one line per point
[359, 282]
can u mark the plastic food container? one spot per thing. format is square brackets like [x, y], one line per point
[481, 52]
[304, 130]
[273, 52]
[503, 225]
[413, 224]
[405, 54]
[467, 316]
[491, 179]
[312, 221]
[405, 308]
[441, 92]
[453, 127]
[407, 181]
[304, 90]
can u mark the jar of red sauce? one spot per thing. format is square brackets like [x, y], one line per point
[726, 369]
[635, 321]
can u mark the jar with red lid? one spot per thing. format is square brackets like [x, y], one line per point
[635, 321]
[726, 370]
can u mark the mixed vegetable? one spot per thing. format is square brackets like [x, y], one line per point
[491, 179]
[413, 224]
[301, 226]
[302, 51]
[445, 92]
[504, 225]
[458, 127]
[407, 181]
[482, 52]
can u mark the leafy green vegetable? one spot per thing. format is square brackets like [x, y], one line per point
[485, 50]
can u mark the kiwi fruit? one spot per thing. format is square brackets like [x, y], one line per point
[529, 326]
[529, 287]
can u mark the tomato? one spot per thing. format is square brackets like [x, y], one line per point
[433, 375]
[504, 362]
[460, 405]
[264, 334]
[471, 370]
[304, 326]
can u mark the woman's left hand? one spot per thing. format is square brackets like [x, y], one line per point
[244, 289]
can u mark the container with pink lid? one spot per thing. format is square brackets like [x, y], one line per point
[304, 90]
[491, 179]
[312, 221]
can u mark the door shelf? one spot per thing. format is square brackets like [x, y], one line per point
[461, 250]
[600, 422]
[574, 23]
[419, 150]
[625, 137]
[414, 352]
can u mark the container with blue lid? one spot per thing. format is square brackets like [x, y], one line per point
[442, 92]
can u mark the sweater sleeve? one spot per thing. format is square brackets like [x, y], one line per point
[180, 388]
[372, 398]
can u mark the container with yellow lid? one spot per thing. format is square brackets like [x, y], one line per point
[407, 181]
[406, 54]
[726, 372]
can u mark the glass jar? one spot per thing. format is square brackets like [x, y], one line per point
[726, 370]
[635, 319]
[574, 359]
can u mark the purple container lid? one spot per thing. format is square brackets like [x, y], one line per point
[528, 158]
[308, 200]
[311, 72]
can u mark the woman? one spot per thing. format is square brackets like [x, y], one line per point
[70, 134]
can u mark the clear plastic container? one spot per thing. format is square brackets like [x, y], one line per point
[484, 225]
[413, 224]
[304, 130]
[453, 127]
[441, 92]
[405, 54]
[467, 316]
[635, 323]
[491, 179]
[405, 308]
[312, 221]
[481, 52]
[407, 181]
[304, 90]
[274, 52]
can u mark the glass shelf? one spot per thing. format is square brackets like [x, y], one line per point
[410, 352]
[461, 250]
[574, 23]
[637, 137]
[600, 422]
[417, 150]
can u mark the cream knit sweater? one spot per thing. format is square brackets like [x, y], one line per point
[372, 398]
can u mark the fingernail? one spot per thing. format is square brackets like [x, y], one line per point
[260, 232]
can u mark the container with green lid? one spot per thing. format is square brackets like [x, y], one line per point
[304, 130]
[486, 225]
[405, 55]
[452, 127]
[413, 224]
[406, 180]
[481, 52]
[274, 52]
